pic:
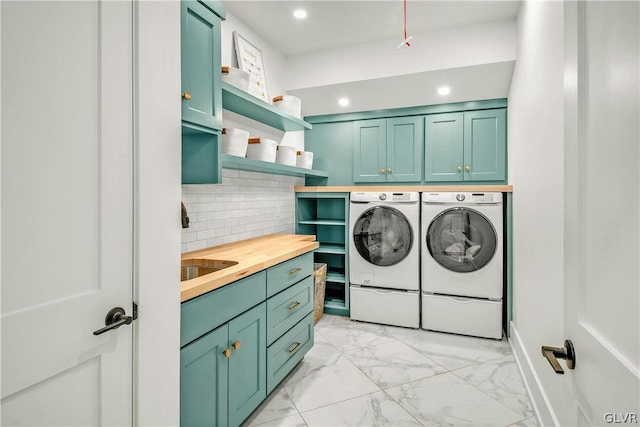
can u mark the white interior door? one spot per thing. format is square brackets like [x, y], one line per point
[66, 211]
[602, 222]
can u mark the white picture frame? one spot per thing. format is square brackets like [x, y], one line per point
[250, 59]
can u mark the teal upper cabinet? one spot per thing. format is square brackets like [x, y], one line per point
[485, 145]
[444, 147]
[388, 150]
[201, 62]
[468, 146]
[404, 149]
[370, 151]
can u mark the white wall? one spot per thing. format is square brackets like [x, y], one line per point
[245, 205]
[536, 171]
[436, 50]
[275, 71]
[157, 250]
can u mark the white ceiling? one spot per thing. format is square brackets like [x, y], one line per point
[331, 24]
[336, 24]
[486, 81]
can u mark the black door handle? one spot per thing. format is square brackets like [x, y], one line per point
[115, 318]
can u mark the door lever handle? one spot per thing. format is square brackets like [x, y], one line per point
[115, 318]
[552, 354]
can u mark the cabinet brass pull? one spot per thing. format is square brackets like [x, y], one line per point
[227, 353]
[295, 271]
[294, 349]
[388, 170]
[552, 354]
[293, 306]
[186, 96]
[236, 345]
[381, 170]
[467, 168]
[459, 168]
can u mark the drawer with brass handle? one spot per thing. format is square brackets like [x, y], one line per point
[287, 308]
[285, 274]
[288, 350]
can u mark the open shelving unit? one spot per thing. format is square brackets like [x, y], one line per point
[327, 216]
[240, 102]
[242, 163]
[202, 159]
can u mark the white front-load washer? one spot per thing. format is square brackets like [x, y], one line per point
[462, 263]
[384, 257]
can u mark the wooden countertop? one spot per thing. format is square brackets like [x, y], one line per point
[251, 255]
[398, 188]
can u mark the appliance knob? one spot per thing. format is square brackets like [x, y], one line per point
[460, 197]
[383, 196]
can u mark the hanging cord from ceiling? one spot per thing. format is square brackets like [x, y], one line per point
[406, 39]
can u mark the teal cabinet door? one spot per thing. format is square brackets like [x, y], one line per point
[369, 151]
[405, 138]
[444, 146]
[332, 147]
[247, 364]
[204, 380]
[201, 61]
[485, 145]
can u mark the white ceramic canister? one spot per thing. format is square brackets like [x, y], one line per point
[234, 141]
[286, 155]
[262, 149]
[289, 104]
[304, 159]
[236, 77]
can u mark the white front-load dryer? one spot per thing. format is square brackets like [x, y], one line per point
[462, 263]
[384, 257]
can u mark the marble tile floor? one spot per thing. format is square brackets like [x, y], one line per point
[363, 374]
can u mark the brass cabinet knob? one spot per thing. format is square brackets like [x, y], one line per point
[381, 170]
[227, 353]
[459, 168]
[186, 96]
[236, 345]
[388, 170]
[467, 168]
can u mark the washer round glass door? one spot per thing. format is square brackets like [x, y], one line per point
[461, 240]
[383, 236]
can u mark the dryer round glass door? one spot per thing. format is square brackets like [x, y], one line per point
[461, 240]
[383, 236]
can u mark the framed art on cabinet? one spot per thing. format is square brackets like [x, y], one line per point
[250, 59]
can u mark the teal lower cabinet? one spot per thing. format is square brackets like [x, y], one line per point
[288, 350]
[222, 375]
[326, 215]
[204, 379]
[247, 363]
[237, 344]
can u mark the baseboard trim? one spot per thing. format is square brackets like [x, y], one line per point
[539, 399]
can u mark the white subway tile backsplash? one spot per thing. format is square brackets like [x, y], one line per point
[246, 204]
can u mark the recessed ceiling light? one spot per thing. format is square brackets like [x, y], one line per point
[343, 102]
[300, 14]
[444, 90]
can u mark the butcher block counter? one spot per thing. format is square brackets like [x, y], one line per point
[406, 188]
[242, 259]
